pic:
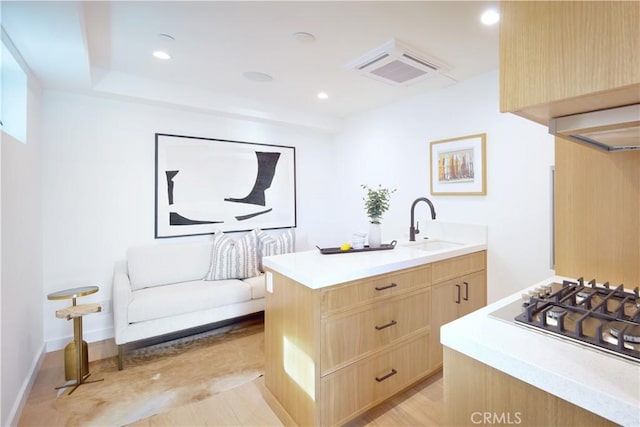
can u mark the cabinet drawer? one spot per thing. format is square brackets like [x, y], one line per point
[358, 387]
[458, 266]
[366, 291]
[349, 336]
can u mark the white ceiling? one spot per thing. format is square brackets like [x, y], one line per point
[105, 47]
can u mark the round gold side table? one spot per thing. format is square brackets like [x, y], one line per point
[76, 355]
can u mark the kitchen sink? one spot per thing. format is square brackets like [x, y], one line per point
[434, 245]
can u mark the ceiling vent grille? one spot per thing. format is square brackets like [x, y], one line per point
[397, 64]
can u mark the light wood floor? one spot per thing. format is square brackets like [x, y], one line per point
[420, 405]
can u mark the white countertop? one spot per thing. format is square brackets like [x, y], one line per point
[604, 384]
[315, 270]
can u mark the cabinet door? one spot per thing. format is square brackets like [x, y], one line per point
[474, 293]
[611, 248]
[552, 52]
[453, 299]
[445, 299]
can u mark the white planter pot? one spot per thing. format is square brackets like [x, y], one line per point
[375, 235]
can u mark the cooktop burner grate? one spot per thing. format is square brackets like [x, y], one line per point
[598, 315]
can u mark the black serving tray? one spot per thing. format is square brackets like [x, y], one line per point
[383, 247]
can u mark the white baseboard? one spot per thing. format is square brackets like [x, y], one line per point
[23, 394]
[89, 336]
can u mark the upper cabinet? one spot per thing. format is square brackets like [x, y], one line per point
[561, 58]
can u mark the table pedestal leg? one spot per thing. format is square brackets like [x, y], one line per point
[81, 358]
[70, 355]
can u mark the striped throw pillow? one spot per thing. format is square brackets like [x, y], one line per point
[234, 259]
[268, 245]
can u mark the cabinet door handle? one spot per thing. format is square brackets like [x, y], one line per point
[384, 377]
[466, 291]
[382, 288]
[457, 294]
[393, 322]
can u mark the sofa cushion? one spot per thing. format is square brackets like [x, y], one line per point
[257, 285]
[155, 265]
[233, 259]
[186, 297]
[269, 245]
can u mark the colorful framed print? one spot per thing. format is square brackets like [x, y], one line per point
[458, 166]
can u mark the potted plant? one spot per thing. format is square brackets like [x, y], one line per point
[376, 203]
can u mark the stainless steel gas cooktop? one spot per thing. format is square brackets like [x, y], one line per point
[597, 315]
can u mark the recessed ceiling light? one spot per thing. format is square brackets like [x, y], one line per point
[303, 37]
[490, 17]
[164, 43]
[257, 76]
[161, 54]
[323, 95]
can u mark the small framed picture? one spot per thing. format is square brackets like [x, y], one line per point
[458, 166]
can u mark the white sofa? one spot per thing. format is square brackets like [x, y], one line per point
[160, 289]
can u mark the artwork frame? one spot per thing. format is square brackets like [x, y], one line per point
[204, 185]
[464, 176]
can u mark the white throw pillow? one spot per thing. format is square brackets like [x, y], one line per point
[268, 245]
[233, 259]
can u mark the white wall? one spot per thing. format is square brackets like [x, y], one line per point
[21, 291]
[99, 189]
[390, 146]
[99, 177]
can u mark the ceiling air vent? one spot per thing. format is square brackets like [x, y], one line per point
[397, 64]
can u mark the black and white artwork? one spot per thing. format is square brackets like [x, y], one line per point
[204, 185]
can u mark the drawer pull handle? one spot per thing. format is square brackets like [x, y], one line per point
[382, 288]
[384, 377]
[466, 291]
[457, 294]
[393, 322]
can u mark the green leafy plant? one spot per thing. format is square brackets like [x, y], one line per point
[376, 202]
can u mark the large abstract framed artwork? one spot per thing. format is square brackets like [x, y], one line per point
[204, 185]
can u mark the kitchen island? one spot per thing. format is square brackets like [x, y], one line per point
[505, 373]
[345, 332]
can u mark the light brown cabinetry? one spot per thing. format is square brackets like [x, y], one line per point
[363, 292]
[597, 219]
[560, 58]
[452, 298]
[356, 334]
[362, 385]
[477, 394]
[335, 352]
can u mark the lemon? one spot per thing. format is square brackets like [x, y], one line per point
[345, 246]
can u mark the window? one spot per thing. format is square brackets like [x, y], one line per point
[13, 95]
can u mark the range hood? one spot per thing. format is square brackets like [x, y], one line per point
[613, 129]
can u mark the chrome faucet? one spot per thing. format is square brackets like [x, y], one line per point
[414, 230]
